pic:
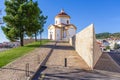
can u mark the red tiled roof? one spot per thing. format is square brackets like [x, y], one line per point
[63, 14]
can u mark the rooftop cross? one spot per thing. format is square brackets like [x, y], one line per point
[62, 10]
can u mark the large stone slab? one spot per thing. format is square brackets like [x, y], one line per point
[85, 44]
[106, 63]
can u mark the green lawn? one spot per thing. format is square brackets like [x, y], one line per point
[12, 54]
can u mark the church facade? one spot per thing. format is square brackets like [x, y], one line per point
[62, 29]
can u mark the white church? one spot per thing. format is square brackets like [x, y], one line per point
[62, 29]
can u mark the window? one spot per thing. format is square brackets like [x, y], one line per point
[56, 21]
[67, 21]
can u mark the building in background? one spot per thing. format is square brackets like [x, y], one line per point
[62, 29]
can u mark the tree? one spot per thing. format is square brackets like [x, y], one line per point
[36, 21]
[103, 35]
[116, 35]
[10, 33]
[30, 11]
[107, 47]
[14, 25]
[42, 21]
[22, 17]
[116, 46]
[108, 35]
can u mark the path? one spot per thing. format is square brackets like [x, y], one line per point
[62, 51]
[50, 59]
[17, 69]
[55, 69]
[116, 57]
[106, 63]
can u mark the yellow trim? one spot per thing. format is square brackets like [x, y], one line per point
[51, 27]
[62, 16]
[72, 26]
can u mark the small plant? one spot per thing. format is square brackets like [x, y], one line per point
[107, 47]
[116, 46]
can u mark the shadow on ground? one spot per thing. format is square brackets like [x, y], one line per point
[107, 63]
[76, 75]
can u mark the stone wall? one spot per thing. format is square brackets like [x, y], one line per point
[27, 41]
[97, 52]
[85, 44]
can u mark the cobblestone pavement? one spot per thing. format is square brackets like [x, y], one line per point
[57, 71]
[55, 65]
[62, 51]
[17, 69]
[106, 63]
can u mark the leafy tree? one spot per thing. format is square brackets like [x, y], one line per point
[107, 35]
[40, 25]
[116, 35]
[42, 21]
[116, 46]
[10, 33]
[103, 35]
[36, 21]
[107, 47]
[22, 17]
[14, 25]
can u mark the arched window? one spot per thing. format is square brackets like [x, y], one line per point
[56, 21]
[67, 21]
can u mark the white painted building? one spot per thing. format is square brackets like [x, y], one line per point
[62, 29]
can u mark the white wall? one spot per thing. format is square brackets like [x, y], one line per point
[58, 35]
[71, 32]
[52, 31]
[86, 46]
[62, 20]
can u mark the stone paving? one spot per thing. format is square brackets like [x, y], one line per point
[55, 69]
[55, 73]
[17, 69]
[62, 51]
[106, 63]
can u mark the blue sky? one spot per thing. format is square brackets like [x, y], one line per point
[105, 14]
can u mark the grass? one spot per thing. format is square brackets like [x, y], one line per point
[14, 53]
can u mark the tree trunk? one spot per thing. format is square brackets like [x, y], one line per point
[40, 37]
[21, 39]
[35, 37]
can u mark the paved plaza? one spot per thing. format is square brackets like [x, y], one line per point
[52, 57]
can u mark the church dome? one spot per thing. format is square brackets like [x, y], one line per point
[62, 14]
